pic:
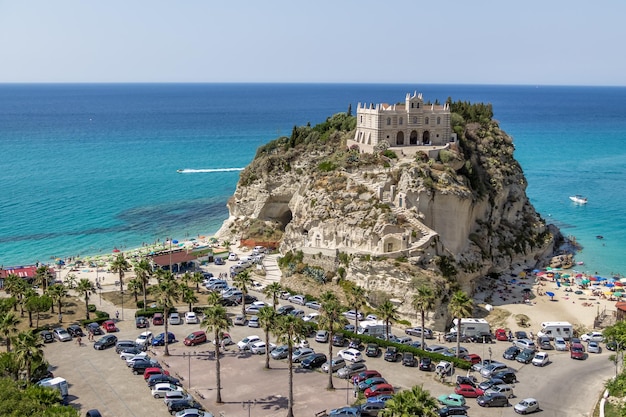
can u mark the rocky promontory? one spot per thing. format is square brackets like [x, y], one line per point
[395, 218]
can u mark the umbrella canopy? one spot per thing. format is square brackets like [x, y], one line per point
[619, 284]
[526, 290]
[585, 281]
[115, 250]
[617, 294]
[610, 285]
[549, 294]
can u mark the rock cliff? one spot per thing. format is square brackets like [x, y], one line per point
[388, 220]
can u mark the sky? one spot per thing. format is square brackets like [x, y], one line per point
[553, 42]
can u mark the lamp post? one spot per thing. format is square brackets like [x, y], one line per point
[249, 405]
[174, 241]
[490, 353]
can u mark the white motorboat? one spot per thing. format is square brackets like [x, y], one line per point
[578, 199]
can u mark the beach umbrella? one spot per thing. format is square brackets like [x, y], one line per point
[526, 290]
[619, 284]
[622, 280]
[585, 281]
[566, 275]
[617, 294]
[116, 250]
[550, 294]
[610, 285]
[593, 278]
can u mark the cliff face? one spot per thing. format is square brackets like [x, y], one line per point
[459, 211]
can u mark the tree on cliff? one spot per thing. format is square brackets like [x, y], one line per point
[423, 301]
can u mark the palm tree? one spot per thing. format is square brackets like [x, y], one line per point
[186, 278]
[242, 281]
[414, 402]
[42, 276]
[388, 312]
[289, 330]
[143, 271]
[356, 300]
[214, 299]
[28, 350]
[423, 301]
[330, 319]
[166, 292]
[216, 321]
[197, 279]
[17, 287]
[85, 288]
[460, 306]
[8, 327]
[267, 318]
[188, 296]
[273, 291]
[57, 292]
[134, 286]
[120, 265]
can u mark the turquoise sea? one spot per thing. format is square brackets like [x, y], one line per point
[87, 168]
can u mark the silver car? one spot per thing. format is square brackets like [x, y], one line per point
[335, 364]
[62, 334]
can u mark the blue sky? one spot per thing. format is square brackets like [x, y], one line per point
[406, 41]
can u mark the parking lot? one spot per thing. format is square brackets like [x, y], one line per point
[99, 379]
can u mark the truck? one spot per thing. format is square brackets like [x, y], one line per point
[471, 327]
[56, 383]
[373, 328]
[554, 329]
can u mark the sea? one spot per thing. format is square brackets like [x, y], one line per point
[88, 168]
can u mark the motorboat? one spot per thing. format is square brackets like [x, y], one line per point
[578, 199]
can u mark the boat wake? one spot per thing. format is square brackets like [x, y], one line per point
[197, 171]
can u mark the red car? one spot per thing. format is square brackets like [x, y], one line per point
[501, 335]
[577, 351]
[362, 376]
[157, 319]
[468, 391]
[472, 358]
[379, 389]
[154, 371]
[109, 326]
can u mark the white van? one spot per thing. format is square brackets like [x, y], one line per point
[554, 329]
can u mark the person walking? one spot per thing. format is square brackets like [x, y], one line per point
[117, 315]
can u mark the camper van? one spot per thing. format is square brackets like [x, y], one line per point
[372, 328]
[56, 383]
[554, 329]
[472, 327]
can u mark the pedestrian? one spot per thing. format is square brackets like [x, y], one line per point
[60, 318]
[90, 337]
[117, 315]
[79, 341]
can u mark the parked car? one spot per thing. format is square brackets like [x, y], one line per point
[322, 336]
[232, 256]
[150, 372]
[175, 406]
[47, 336]
[408, 359]
[312, 317]
[593, 347]
[61, 334]
[247, 299]
[511, 353]
[492, 368]
[345, 412]
[313, 361]
[139, 366]
[506, 375]
[301, 353]
[392, 354]
[297, 313]
[141, 322]
[352, 315]
[284, 310]
[339, 340]
[356, 344]
[426, 364]
[525, 344]
[159, 390]
[246, 342]
[75, 331]
[123, 345]
[297, 299]
[157, 319]
[493, 400]
[94, 329]
[485, 385]
[466, 380]
[352, 369]
[313, 305]
[159, 378]
[503, 389]
[379, 389]
[452, 411]
[436, 349]
[195, 338]
[192, 412]
[132, 353]
[468, 391]
[525, 356]
[240, 320]
[592, 336]
[501, 335]
[174, 319]
[544, 343]
[105, 342]
[527, 405]
[175, 396]
[258, 348]
[372, 350]
[363, 375]
[132, 359]
[159, 340]
[334, 365]
[417, 331]
[93, 413]
[540, 359]
[281, 352]
[371, 408]
[444, 368]
[144, 339]
[451, 337]
[109, 326]
[254, 322]
[577, 351]
[471, 358]
[369, 382]
[218, 260]
[351, 355]
[560, 344]
[453, 400]
[191, 318]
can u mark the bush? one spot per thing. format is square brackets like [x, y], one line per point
[98, 320]
[91, 308]
[140, 304]
[149, 312]
[102, 314]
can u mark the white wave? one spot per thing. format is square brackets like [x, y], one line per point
[195, 171]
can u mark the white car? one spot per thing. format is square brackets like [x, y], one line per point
[258, 348]
[62, 334]
[191, 318]
[559, 344]
[127, 355]
[593, 347]
[254, 322]
[311, 317]
[245, 343]
[141, 356]
[526, 406]
[159, 390]
[297, 299]
[175, 319]
[592, 336]
[540, 359]
[351, 315]
[144, 339]
[233, 256]
[372, 317]
[253, 309]
[351, 355]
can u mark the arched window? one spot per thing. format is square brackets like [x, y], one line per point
[361, 118]
[400, 122]
[438, 120]
[426, 121]
[388, 121]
